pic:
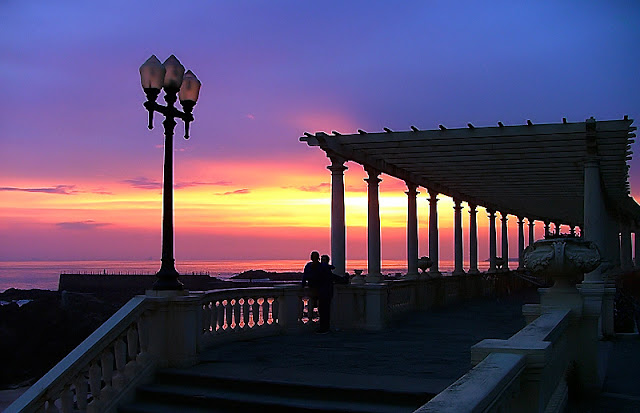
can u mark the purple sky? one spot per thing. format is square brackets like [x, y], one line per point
[72, 101]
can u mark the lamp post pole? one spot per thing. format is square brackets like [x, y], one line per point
[171, 77]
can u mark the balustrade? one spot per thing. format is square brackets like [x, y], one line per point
[94, 373]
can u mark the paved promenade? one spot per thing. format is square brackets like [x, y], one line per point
[427, 350]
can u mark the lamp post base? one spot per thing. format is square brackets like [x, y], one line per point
[167, 277]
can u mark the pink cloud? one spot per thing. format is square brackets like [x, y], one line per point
[236, 192]
[58, 189]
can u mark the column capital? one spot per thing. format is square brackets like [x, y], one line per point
[531, 221]
[412, 189]
[457, 204]
[373, 178]
[504, 216]
[337, 168]
[433, 195]
[520, 220]
[491, 213]
[472, 207]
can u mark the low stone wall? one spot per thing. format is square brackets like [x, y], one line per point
[130, 283]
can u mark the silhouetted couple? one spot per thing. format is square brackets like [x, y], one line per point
[319, 274]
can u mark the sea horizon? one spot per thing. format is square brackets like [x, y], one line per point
[44, 275]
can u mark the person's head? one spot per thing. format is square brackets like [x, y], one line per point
[315, 256]
[324, 259]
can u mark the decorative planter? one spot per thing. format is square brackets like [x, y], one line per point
[563, 259]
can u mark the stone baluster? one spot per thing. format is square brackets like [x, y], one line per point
[95, 384]
[51, 406]
[120, 351]
[625, 247]
[246, 311]
[636, 242]
[221, 312]
[338, 230]
[81, 386]
[106, 363]
[236, 314]
[66, 399]
[557, 228]
[532, 224]
[143, 336]
[433, 233]
[275, 308]
[520, 243]
[473, 240]
[572, 230]
[132, 351]
[373, 227]
[457, 237]
[547, 231]
[254, 312]
[492, 241]
[505, 242]
[206, 317]
[412, 231]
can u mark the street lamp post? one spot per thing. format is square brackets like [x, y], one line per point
[169, 75]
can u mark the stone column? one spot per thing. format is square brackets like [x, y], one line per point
[505, 241]
[532, 224]
[547, 232]
[492, 241]
[373, 227]
[520, 243]
[594, 210]
[637, 248]
[412, 231]
[625, 247]
[433, 233]
[457, 237]
[338, 230]
[473, 240]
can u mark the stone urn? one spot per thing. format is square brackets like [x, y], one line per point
[424, 263]
[565, 259]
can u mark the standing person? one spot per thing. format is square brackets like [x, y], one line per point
[312, 270]
[325, 292]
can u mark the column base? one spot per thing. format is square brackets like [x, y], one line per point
[357, 279]
[374, 278]
[458, 272]
[473, 271]
[434, 274]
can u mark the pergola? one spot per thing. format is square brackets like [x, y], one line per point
[574, 174]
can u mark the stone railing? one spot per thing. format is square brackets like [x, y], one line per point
[124, 352]
[374, 306]
[241, 313]
[525, 373]
[95, 374]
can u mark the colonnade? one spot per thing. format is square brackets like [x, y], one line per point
[374, 274]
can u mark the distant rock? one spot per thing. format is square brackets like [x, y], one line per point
[266, 275]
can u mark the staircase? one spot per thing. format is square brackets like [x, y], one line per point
[187, 391]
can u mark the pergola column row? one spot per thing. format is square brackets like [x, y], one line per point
[338, 230]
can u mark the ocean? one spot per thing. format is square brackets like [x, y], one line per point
[44, 275]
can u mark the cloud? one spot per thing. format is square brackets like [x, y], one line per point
[81, 225]
[250, 116]
[146, 183]
[323, 187]
[236, 192]
[58, 189]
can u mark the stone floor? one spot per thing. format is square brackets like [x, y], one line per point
[428, 350]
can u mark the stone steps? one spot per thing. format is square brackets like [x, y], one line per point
[187, 391]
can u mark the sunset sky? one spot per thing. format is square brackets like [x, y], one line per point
[80, 173]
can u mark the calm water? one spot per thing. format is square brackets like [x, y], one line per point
[44, 274]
